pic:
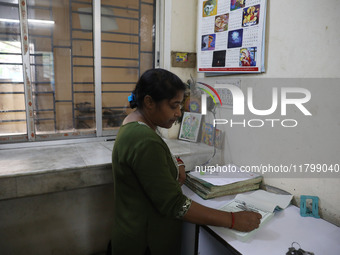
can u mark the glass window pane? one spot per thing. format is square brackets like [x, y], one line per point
[147, 60]
[126, 33]
[12, 99]
[149, 1]
[61, 50]
[62, 68]
[147, 25]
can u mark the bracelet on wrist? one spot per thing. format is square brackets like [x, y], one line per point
[232, 220]
[179, 161]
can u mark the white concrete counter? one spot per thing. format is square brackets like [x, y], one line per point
[42, 168]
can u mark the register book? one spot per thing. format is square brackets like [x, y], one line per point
[260, 201]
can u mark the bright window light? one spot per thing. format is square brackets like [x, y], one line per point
[35, 21]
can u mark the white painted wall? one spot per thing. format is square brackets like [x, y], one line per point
[183, 33]
[302, 41]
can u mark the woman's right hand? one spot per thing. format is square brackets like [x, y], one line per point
[246, 221]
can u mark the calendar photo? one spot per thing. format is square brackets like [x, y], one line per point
[248, 56]
[208, 42]
[251, 16]
[221, 23]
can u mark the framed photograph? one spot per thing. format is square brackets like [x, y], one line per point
[208, 135]
[190, 126]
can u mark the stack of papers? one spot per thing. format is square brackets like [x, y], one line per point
[210, 185]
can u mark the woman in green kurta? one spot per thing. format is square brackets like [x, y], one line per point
[148, 200]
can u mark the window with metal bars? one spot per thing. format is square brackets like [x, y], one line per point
[60, 77]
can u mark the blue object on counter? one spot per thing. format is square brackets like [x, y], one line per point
[305, 211]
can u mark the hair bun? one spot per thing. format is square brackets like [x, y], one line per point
[133, 104]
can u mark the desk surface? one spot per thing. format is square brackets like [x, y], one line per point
[286, 227]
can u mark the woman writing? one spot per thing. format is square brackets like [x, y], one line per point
[148, 201]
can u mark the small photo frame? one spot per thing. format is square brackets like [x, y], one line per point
[190, 126]
[208, 135]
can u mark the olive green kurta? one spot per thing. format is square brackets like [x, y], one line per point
[147, 198]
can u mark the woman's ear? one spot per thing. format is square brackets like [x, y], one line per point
[148, 102]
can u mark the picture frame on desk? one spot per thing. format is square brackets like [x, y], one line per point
[207, 136]
[190, 126]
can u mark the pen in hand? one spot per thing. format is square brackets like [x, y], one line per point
[246, 208]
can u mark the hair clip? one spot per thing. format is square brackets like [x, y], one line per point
[131, 97]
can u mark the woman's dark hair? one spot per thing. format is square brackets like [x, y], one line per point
[158, 83]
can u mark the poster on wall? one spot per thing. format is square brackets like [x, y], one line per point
[231, 36]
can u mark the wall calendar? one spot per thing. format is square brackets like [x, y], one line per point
[231, 36]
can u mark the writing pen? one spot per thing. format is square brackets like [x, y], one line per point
[246, 208]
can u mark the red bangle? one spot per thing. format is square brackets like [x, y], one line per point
[179, 160]
[232, 220]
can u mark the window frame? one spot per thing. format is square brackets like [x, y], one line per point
[162, 14]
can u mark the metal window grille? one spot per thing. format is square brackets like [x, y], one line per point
[96, 101]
